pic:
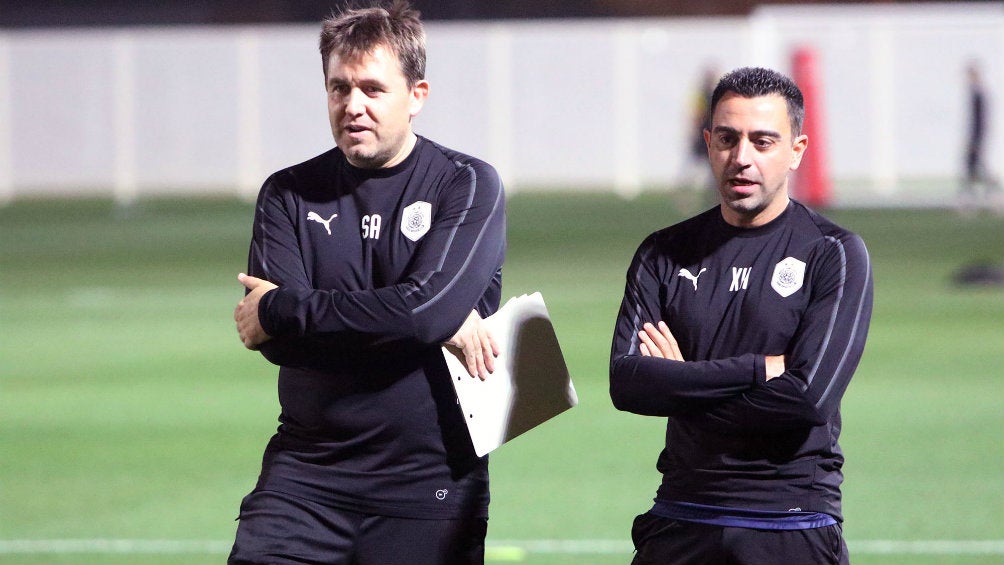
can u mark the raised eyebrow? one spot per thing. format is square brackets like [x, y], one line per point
[767, 133]
[335, 81]
[757, 133]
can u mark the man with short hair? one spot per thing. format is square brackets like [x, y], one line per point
[742, 326]
[364, 260]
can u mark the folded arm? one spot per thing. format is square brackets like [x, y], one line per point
[822, 356]
[647, 383]
[455, 270]
[799, 387]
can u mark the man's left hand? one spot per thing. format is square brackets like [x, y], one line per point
[477, 345]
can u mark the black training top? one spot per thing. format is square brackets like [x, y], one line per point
[375, 269]
[800, 286]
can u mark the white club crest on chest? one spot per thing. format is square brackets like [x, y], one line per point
[788, 276]
[416, 219]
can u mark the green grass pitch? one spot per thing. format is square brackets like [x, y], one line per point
[130, 411]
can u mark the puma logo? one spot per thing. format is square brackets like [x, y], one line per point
[691, 276]
[314, 216]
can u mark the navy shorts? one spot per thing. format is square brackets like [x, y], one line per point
[278, 529]
[665, 541]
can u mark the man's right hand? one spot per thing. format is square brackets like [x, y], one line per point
[246, 313]
[658, 341]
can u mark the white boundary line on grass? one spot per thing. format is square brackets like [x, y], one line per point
[554, 546]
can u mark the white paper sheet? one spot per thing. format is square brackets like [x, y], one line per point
[530, 384]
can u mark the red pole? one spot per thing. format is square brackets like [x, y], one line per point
[812, 179]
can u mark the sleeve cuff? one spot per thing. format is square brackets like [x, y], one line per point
[759, 369]
[269, 322]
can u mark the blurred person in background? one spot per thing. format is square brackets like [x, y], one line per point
[979, 189]
[363, 262]
[743, 326]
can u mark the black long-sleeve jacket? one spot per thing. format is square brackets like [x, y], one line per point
[799, 286]
[375, 269]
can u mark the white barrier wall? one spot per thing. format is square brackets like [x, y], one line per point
[554, 104]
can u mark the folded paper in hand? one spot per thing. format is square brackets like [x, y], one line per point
[530, 384]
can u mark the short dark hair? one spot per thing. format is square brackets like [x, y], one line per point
[358, 31]
[752, 82]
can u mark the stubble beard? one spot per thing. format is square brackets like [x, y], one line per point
[372, 156]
